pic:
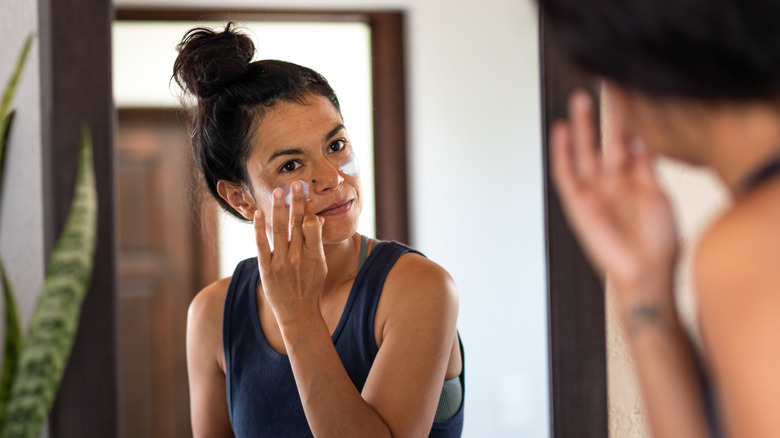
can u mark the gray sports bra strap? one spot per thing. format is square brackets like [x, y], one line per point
[363, 251]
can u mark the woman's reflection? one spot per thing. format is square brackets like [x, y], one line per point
[327, 332]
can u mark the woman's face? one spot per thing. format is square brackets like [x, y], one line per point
[307, 143]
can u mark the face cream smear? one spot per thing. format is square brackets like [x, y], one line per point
[288, 192]
[350, 166]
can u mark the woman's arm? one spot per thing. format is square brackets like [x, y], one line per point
[415, 320]
[665, 368]
[401, 393]
[737, 274]
[205, 363]
[624, 222]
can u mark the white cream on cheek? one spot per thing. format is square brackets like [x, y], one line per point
[288, 193]
[349, 166]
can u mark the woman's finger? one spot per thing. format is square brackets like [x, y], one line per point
[563, 166]
[644, 170]
[585, 137]
[312, 232]
[617, 154]
[297, 208]
[263, 248]
[279, 224]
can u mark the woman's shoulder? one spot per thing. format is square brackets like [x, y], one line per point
[418, 296]
[744, 234]
[204, 323]
[737, 260]
[211, 298]
[414, 280]
[206, 308]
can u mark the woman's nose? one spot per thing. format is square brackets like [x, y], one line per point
[325, 177]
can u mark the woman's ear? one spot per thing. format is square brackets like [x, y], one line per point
[238, 197]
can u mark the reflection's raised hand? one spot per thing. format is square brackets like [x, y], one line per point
[614, 203]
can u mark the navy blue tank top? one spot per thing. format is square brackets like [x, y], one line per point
[263, 400]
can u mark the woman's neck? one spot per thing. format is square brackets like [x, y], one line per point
[739, 141]
[342, 261]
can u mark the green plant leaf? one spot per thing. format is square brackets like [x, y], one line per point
[56, 316]
[13, 342]
[8, 95]
[10, 87]
[5, 133]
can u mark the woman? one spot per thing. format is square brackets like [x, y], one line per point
[326, 332]
[697, 81]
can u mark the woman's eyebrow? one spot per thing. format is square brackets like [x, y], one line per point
[281, 152]
[334, 131]
[299, 151]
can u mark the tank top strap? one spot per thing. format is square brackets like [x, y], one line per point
[766, 171]
[357, 320]
[363, 251]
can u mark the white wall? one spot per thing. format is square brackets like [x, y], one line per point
[21, 210]
[475, 188]
[21, 197]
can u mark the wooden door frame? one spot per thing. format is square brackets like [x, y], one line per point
[75, 66]
[577, 338]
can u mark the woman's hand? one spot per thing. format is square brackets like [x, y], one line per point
[293, 273]
[614, 204]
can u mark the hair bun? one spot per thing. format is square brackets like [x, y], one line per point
[208, 60]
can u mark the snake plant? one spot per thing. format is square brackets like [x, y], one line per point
[34, 363]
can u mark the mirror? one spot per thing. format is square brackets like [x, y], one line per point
[475, 191]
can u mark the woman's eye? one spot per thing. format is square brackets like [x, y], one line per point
[290, 166]
[337, 145]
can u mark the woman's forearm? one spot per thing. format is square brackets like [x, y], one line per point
[665, 368]
[332, 404]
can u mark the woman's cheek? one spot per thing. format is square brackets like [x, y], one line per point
[349, 166]
[288, 192]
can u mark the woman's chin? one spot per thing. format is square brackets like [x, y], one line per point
[333, 235]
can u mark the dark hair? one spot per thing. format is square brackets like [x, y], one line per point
[703, 49]
[232, 95]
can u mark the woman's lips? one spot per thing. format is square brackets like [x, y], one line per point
[336, 209]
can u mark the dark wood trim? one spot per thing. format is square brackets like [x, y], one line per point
[145, 14]
[389, 94]
[578, 366]
[387, 47]
[75, 42]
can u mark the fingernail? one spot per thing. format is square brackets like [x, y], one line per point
[297, 186]
[278, 193]
[637, 146]
[582, 100]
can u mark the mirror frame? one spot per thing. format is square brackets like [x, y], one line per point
[74, 39]
[576, 312]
